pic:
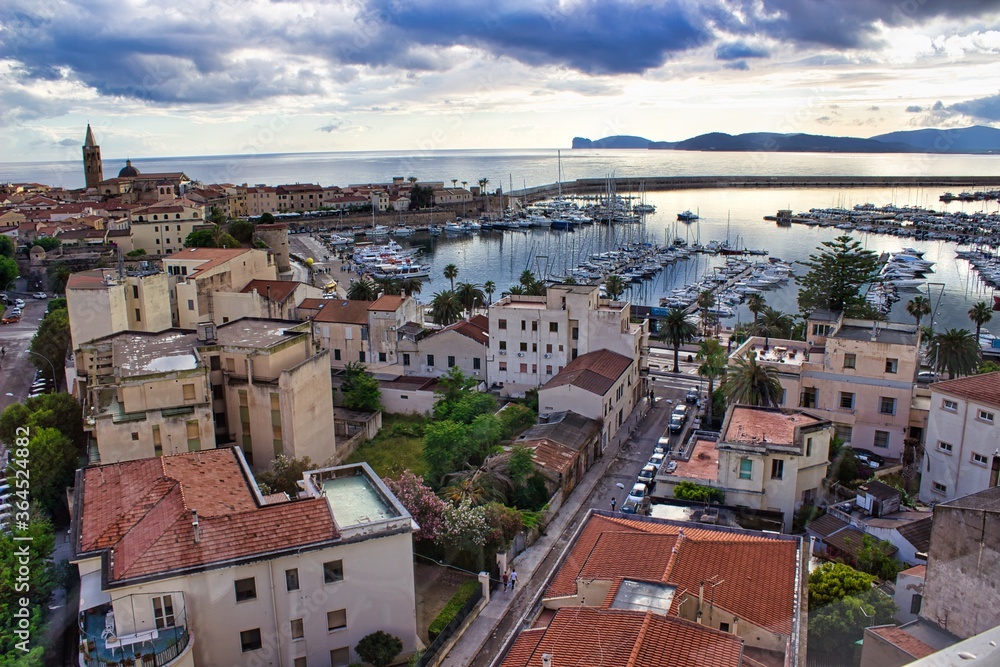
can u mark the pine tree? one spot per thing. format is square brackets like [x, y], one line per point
[836, 276]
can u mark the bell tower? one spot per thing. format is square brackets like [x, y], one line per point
[93, 169]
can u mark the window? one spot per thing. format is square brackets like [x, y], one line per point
[777, 468]
[809, 398]
[524, 368]
[534, 325]
[430, 359]
[292, 579]
[477, 364]
[945, 447]
[406, 358]
[548, 348]
[333, 571]
[381, 356]
[523, 347]
[246, 589]
[503, 366]
[843, 431]
[846, 400]
[524, 325]
[157, 443]
[340, 657]
[503, 345]
[950, 406]
[218, 391]
[163, 612]
[361, 356]
[576, 333]
[135, 435]
[850, 360]
[190, 304]
[451, 361]
[915, 602]
[215, 363]
[138, 315]
[193, 435]
[296, 626]
[881, 439]
[336, 354]
[978, 459]
[336, 620]
[891, 365]
[986, 416]
[746, 469]
[188, 392]
[809, 446]
[723, 627]
[553, 327]
[250, 640]
[887, 406]
[548, 369]
[939, 488]
[502, 324]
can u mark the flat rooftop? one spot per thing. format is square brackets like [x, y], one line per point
[254, 332]
[354, 501]
[763, 426]
[780, 353]
[136, 354]
[703, 464]
[884, 335]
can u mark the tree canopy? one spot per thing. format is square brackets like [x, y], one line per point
[842, 603]
[750, 383]
[360, 389]
[40, 583]
[835, 277]
[51, 343]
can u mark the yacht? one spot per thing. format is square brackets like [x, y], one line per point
[687, 216]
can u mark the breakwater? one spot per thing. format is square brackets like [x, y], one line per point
[586, 186]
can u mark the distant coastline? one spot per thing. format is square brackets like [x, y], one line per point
[978, 139]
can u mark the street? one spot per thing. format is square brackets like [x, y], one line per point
[16, 369]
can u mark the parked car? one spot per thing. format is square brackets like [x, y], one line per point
[692, 395]
[656, 460]
[868, 456]
[40, 295]
[647, 475]
[680, 409]
[631, 506]
[926, 376]
[10, 319]
[638, 492]
[676, 423]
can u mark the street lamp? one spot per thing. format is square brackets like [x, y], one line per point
[12, 280]
[55, 378]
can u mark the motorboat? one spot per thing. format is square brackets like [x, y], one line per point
[687, 216]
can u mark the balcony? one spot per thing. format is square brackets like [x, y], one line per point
[158, 640]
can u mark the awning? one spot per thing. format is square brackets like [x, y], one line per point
[91, 594]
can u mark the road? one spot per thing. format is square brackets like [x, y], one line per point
[16, 369]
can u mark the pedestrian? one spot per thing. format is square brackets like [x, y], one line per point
[613, 501]
[505, 579]
[513, 578]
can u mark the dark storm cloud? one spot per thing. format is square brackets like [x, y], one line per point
[739, 50]
[984, 108]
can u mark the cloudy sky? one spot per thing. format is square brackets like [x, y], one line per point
[274, 76]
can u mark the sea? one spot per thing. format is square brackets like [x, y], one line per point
[734, 214]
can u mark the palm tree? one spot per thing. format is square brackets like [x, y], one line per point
[713, 364]
[483, 182]
[706, 299]
[476, 486]
[454, 182]
[755, 304]
[772, 322]
[471, 296]
[749, 383]
[957, 352]
[676, 328]
[527, 278]
[980, 314]
[517, 289]
[489, 287]
[387, 286]
[362, 290]
[446, 308]
[464, 183]
[451, 272]
[411, 286]
[615, 286]
[917, 307]
[412, 179]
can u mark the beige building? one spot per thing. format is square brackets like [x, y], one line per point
[101, 302]
[859, 374]
[196, 274]
[363, 331]
[601, 385]
[962, 450]
[532, 338]
[212, 572]
[267, 299]
[764, 458]
[261, 199]
[464, 344]
[298, 197]
[161, 227]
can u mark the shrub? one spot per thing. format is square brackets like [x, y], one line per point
[450, 611]
[379, 648]
[698, 493]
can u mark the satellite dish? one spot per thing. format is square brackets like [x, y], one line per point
[620, 485]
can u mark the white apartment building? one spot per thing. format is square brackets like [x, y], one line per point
[532, 338]
[212, 572]
[962, 450]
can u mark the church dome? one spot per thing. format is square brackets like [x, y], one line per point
[128, 171]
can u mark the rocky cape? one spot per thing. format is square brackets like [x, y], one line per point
[976, 139]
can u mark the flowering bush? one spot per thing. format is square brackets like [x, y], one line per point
[464, 528]
[423, 505]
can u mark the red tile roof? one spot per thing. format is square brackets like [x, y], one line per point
[471, 329]
[142, 512]
[279, 289]
[916, 571]
[595, 372]
[591, 637]
[343, 312]
[552, 456]
[388, 303]
[978, 388]
[764, 596]
[904, 641]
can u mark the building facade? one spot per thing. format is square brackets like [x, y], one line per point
[196, 274]
[102, 302]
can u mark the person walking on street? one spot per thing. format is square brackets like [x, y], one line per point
[504, 578]
[613, 502]
[513, 578]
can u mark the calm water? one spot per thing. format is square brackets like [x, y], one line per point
[502, 256]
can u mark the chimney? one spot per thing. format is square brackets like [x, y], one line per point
[196, 526]
[546, 660]
[735, 625]
[701, 598]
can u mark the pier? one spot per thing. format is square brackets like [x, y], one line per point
[660, 183]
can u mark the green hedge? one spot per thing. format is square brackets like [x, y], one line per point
[458, 600]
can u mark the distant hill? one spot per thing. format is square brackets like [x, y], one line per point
[975, 139]
[978, 139]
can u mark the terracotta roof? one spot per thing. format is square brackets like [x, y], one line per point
[826, 525]
[903, 641]
[343, 312]
[469, 329]
[279, 289]
[142, 512]
[752, 424]
[589, 637]
[764, 596]
[552, 456]
[978, 388]
[595, 372]
[313, 303]
[916, 571]
[388, 303]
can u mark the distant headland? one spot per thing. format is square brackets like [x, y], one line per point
[976, 139]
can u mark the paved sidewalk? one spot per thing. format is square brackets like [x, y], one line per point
[486, 628]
